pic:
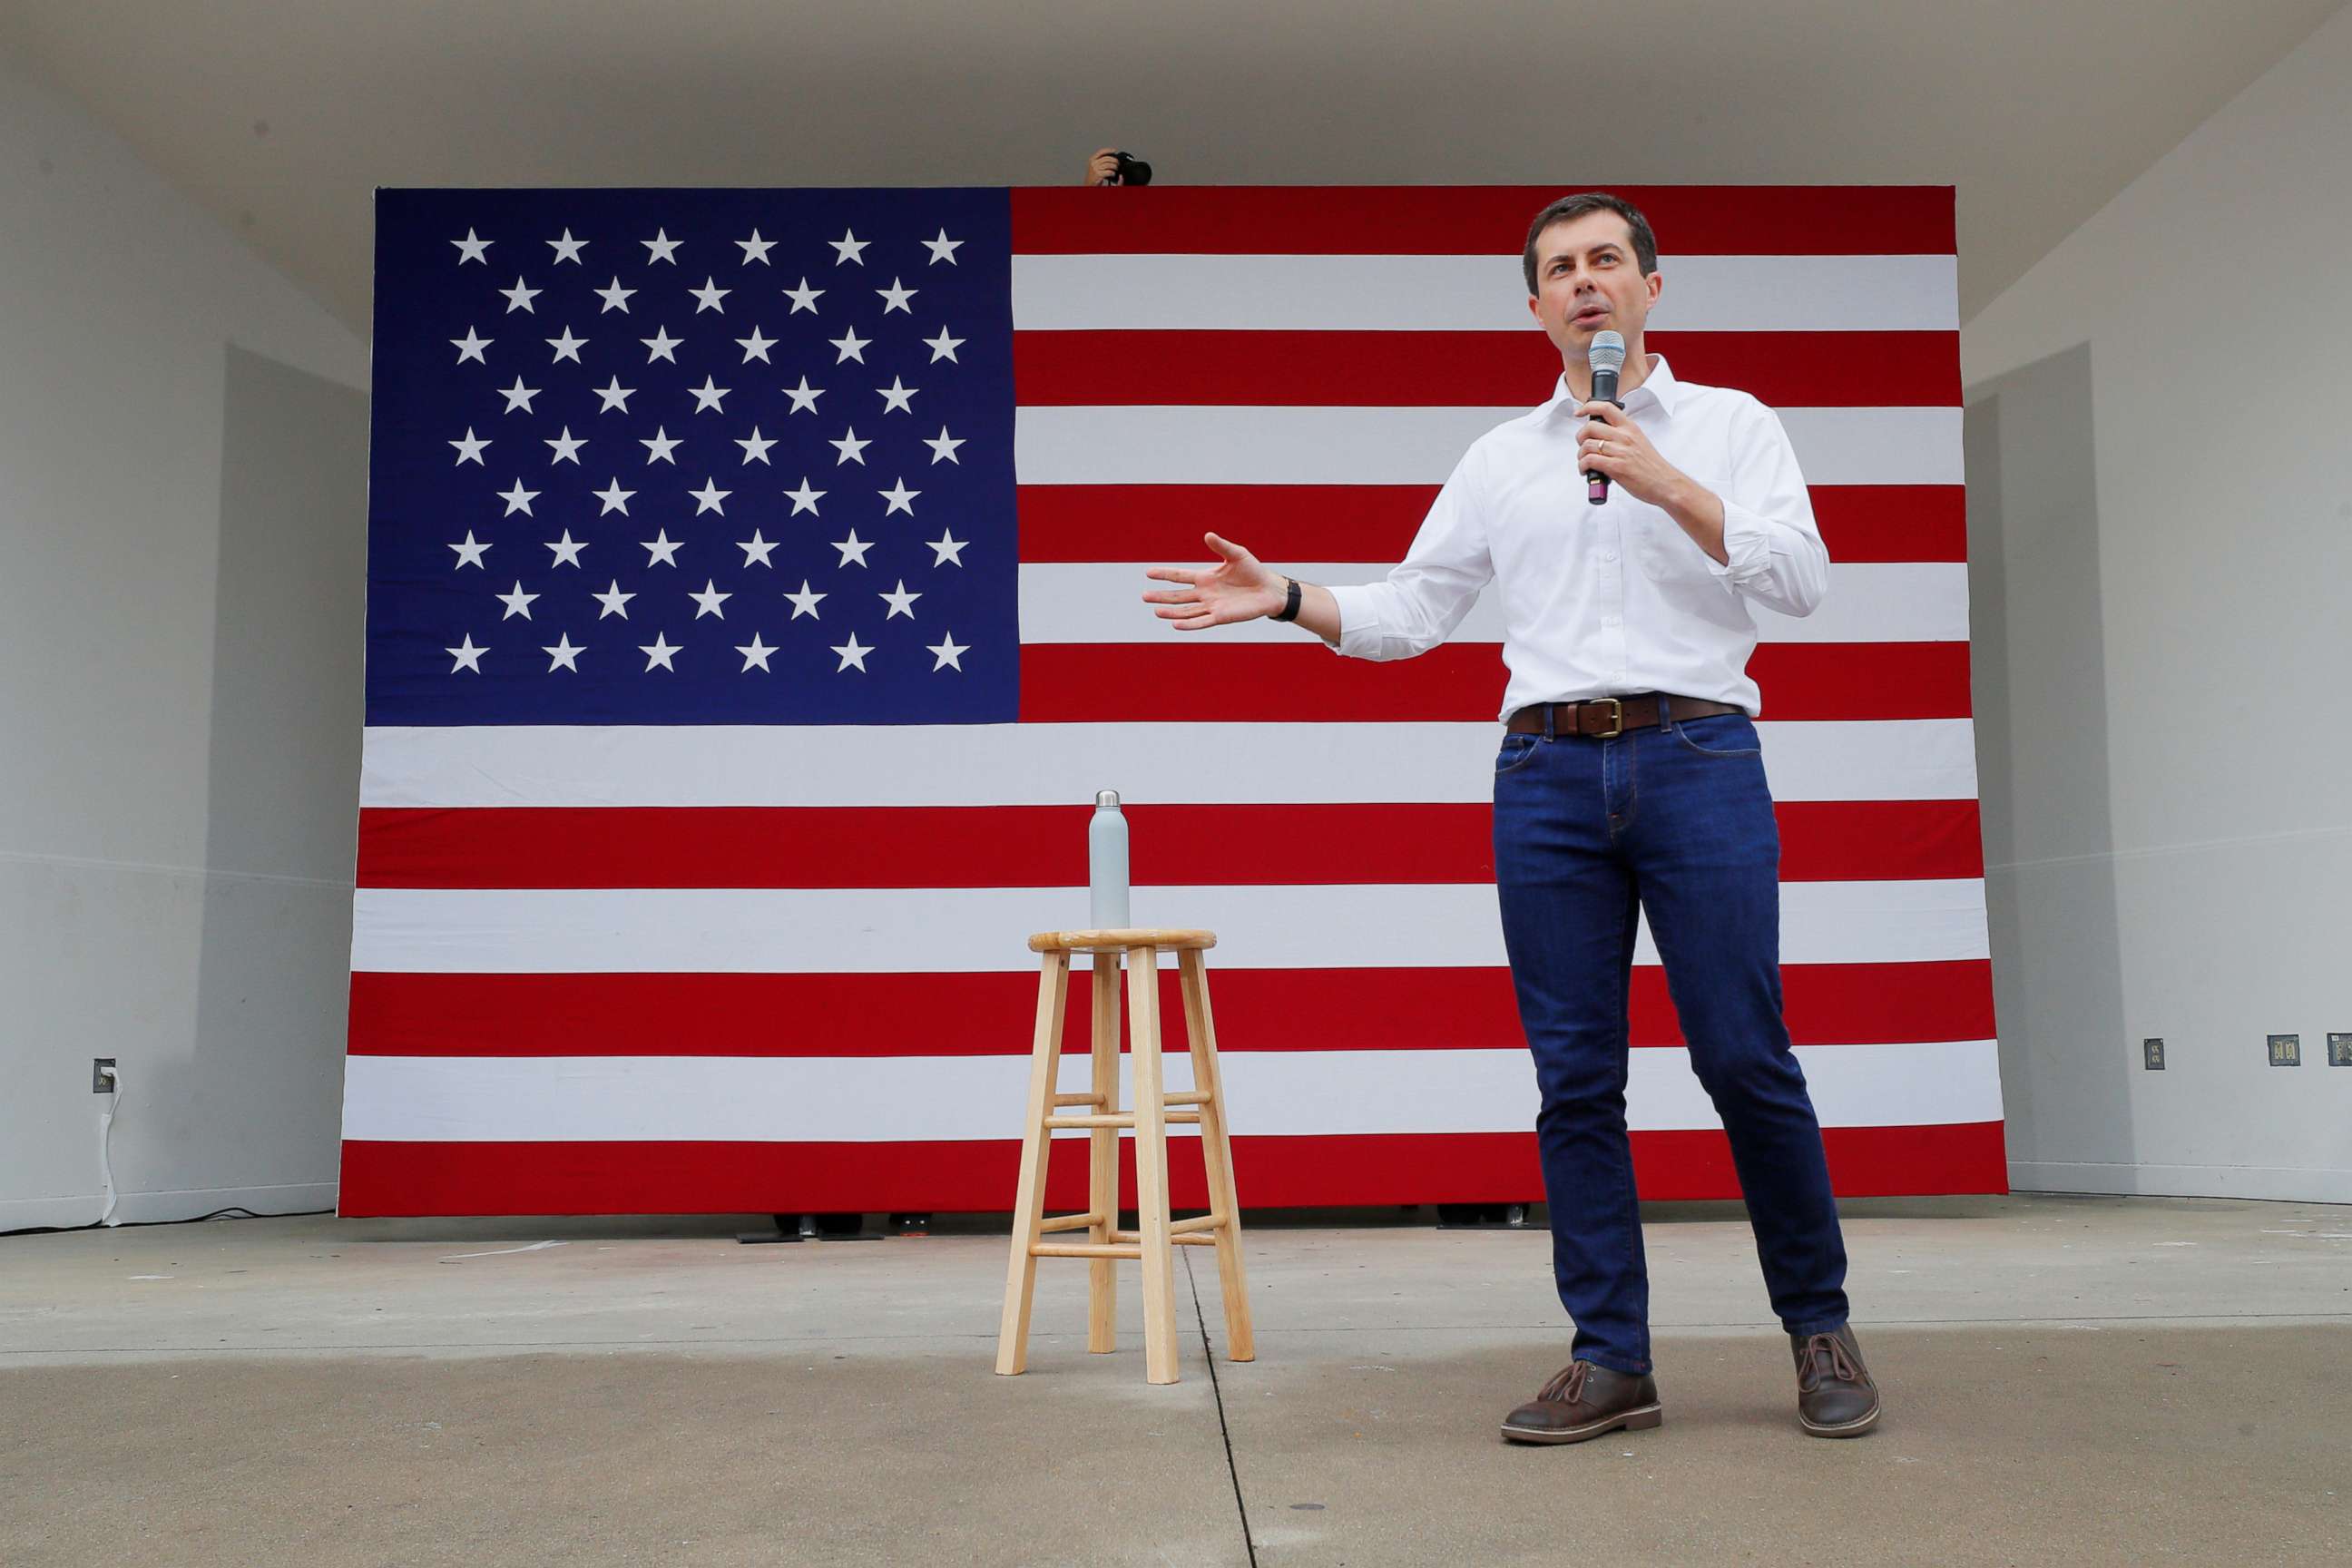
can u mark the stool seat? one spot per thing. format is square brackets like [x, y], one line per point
[1120, 939]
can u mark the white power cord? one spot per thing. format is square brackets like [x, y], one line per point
[105, 1130]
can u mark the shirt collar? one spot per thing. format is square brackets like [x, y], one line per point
[1659, 387]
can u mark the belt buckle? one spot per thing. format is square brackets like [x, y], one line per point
[1618, 720]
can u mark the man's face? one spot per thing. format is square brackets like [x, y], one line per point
[1587, 281]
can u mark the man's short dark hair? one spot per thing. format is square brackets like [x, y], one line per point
[1645, 244]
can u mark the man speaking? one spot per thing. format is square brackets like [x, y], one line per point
[1627, 544]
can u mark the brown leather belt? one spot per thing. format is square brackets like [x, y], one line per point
[1604, 718]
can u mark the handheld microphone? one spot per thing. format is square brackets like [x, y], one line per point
[1607, 357]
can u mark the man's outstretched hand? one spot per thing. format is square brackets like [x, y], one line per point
[1102, 168]
[1238, 588]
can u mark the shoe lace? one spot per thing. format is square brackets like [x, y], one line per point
[1568, 1383]
[1840, 1365]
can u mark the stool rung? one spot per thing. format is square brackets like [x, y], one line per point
[1085, 1249]
[1116, 1119]
[1080, 1099]
[1186, 1238]
[1186, 1097]
[1071, 1221]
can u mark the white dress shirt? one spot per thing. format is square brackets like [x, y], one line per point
[1603, 600]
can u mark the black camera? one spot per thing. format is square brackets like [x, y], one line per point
[1131, 172]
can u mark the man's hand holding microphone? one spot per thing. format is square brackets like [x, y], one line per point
[1239, 588]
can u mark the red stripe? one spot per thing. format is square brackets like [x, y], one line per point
[1377, 522]
[417, 1015]
[1045, 846]
[383, 1179]
[1353, 369]
[1476, 220]
[1456, 682]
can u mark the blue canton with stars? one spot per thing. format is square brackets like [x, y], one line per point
[692, 456]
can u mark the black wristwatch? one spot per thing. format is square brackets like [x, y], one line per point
[1291, 601]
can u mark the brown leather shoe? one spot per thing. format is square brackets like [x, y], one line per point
[1584, 1400]
[1835, 1396]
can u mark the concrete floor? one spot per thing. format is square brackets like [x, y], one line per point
[2067, 1380]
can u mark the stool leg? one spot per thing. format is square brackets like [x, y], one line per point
[1217, 1155]
[1151, 1167]
[1029, 1197]
[1102, 1170]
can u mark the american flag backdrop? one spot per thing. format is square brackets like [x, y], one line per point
[754, 608]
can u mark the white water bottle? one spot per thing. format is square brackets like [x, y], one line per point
[1106, 864]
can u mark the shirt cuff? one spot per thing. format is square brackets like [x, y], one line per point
[1359, 623]
[1747, 543]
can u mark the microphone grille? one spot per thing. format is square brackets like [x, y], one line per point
[1607, 352]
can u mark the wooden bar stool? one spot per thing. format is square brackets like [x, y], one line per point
[1154, 1243]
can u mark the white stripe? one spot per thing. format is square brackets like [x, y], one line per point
[1469, 293]
[1064, 765]
[1102, 602]
[1227, 444]
[883, 930]
[786, 1100]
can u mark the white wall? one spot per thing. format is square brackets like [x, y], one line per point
[183, 469]
[2160, 502]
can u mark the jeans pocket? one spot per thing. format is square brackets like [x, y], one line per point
[1719, 735]
[1517, 750]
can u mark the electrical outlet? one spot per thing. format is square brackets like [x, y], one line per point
[2339, 1051]
[2152, 1054]
[2286, 1050]
[101, 1074]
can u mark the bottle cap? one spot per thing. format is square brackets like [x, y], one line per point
[1108, 797]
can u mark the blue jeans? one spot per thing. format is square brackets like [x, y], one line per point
[1676, 821]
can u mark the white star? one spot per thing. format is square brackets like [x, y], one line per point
[710, 293]
[898, 395]
[517, 499]
[803, 298]
[950, 549]
[943, 447]
[707, 395]
[708, 497]
[942, 249]
[516, 601]
[519, 397]
[614, 497]
[615, 297]
[520, 298]
[803, 499]
[805, 602]
[756, 346]
[852, 652]
[803, 395]
[895, 297]
[473, 248]
[659, 445]
[562, 654]
[567, 550]
[469, 449]
[471, 552]
[757, 548]
[567, 346]
[852, 449]
[471, 345]
[755, 249]
[659, 246]
[659, 345]
[755, 449]
[469, 656]
[615, 602]
[615, 395]
[849, 247]
[754, 652]
[853, 549]
[943, 346]
[950, 652]
[711, 598]
[900, 498]
[568, 250]
[661, 549]
[901, 602]
[567, 448]
[660, 652]
[851, 345]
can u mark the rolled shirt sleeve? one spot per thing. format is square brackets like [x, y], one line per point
[1776, 554]
[1427, 593]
